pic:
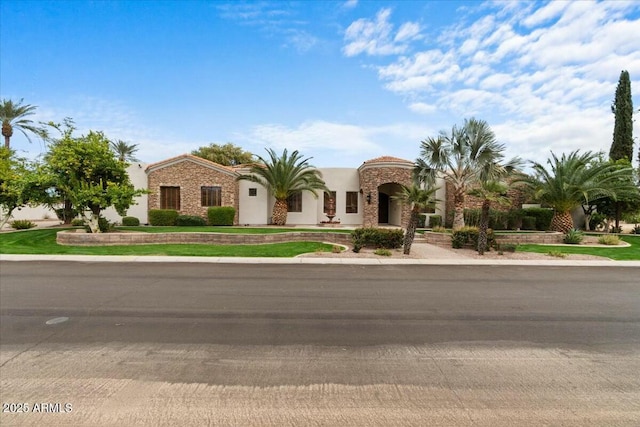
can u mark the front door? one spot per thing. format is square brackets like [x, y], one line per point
[383, 208]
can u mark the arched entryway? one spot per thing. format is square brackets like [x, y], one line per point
[389, 209]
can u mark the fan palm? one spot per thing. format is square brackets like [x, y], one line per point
[419, 198]
[13, 116]
[124, 151]
[572, 180]
[462, 158]
[284, 176]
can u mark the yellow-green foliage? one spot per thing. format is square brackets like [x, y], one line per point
[609, 239]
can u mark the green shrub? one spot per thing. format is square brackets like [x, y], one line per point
[556, 253]
[77, 222]
[376, 237]
[163, 217]
[528, 223]
[615, 229]
[514, 219]
[221, 215]
[506, 247]
[438, 229]
[435, 221]
[22, 224]
[543, 217]
[609, 239]
[498, 220]
[383, 252]
[573, 237]
[130, 221]
[636, 230]
[190, 221]
[597, 221]
[472, 217]
[421, 221]
[468, 236]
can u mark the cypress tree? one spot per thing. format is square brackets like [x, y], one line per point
[622, 107]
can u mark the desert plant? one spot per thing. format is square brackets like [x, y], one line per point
[573, 237]
[336, 249]
[130, 221]
[382, 252]
[438, 229]
[635, 230]
[190, 221]
[557, 254]
[609, 239]
[22, 224]
[221, 215]
[163, 217]
[77, 222]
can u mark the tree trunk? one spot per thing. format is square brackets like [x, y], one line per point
[411, 231]
[280, 210]
[561, 221]
[67, 213]
[7, 143]
[6, 218]
[618, 215]
[458, 209]
[94, 221]
[484, 226]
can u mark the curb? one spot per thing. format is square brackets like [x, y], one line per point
[315, 261]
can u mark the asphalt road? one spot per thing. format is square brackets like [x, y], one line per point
[194, 344]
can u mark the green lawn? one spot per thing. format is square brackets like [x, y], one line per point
[231, 230]
[44, 242]
[630, 253]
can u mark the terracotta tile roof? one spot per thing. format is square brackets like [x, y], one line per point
[188, 157]
[388, 159]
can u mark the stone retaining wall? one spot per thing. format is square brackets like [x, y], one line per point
[444, 239]
[110, 239]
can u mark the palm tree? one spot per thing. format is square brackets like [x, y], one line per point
[490, 191]
[419, 198]
[462, 158]
[13, 116]
[124, 151]
[573, 180]
[285, 176]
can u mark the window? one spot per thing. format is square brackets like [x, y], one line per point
[294, 202]
[170, 198]
[211, 196]
[253, 192]
[352, 202]
[327, 197]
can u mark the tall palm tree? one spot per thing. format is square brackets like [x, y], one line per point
[572, 180]
[13, 116]
[490, 191]
[284, 176]
[463, 157]
[124, 151]
[419, 198]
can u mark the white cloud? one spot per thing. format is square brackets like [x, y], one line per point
[350, 4]
[376, 37]
[543, 77]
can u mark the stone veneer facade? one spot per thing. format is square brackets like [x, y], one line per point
[190, 173]
[379, 171]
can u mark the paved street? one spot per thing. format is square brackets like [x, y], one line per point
[256, 344]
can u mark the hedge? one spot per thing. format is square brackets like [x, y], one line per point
[221, 215]
[543, 217]
[435, 221]
[130, 221]
[468, 236]
[376, 237]
[190, 221]
[163, 217]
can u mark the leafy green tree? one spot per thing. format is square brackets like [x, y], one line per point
[227, 154]
[87, 173]
[622, 107]
[573, 180]
[462, 158]
[14, 116]
[627, 200]
[22, 183]
[418, 198]
[284, 176]
[124, 151]
[490, 191]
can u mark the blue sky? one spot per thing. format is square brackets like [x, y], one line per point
[341, 82]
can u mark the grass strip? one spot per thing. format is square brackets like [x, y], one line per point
[630, 253]
[43, 242]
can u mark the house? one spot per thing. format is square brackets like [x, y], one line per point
[362, 196]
